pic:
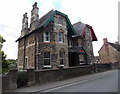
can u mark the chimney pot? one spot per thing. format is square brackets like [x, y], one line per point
[105, 41]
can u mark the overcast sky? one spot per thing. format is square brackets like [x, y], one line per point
[102, 15]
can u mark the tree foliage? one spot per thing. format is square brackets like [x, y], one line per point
[3, 62]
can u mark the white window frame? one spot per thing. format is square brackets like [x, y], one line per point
[62, 37]
[63, 58]
[46, 36]
[26, 63]
[47, 58]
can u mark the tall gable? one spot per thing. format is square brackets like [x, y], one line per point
[79, 27]
[80, 30]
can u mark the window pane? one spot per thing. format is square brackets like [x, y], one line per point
[61, 54]
[46, 61]
[60, 36]
[26, 62]
[47, 36]
[46, 54]
[47, 33]
[60, 21]
[61, 61]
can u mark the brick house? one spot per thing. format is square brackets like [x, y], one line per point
[80, 44]
[45, 44]
[108, 53]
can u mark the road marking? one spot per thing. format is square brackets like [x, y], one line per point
[74, 83]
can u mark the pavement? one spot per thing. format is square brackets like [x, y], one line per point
[47, 86]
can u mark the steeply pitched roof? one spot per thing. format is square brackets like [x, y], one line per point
[80, 30]
[116, 46]
[79, 27]
[44, 21]
[45, 18]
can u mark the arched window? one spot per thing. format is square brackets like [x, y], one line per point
[62, 57]
[47, 59]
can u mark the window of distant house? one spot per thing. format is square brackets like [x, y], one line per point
[47, 59]
[62, 55]
[60, 21]
[26, 62]
[46, 36]
[61, 38]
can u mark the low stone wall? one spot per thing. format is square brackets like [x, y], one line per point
[46, 76]
[9, 81]
[100, 67]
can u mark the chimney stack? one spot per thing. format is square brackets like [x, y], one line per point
[106, 45]
[34, 17]
[105, 41]
[24, 25]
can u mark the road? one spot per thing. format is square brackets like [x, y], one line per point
[108, 82]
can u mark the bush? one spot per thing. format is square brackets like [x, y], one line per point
[22, 78]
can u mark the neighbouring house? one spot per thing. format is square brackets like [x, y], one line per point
[80, 45]
[45, 44]
[108, 53]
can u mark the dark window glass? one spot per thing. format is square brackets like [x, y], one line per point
[46, 61]
[61, 61]
[47, 55]
[46, 58]
[62, 54]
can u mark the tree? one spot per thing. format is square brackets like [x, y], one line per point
[4, 64]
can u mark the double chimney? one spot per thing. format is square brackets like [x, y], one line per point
[33, 22]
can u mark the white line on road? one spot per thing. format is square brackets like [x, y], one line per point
[78, 82]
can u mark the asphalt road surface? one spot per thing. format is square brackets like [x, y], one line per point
[108, 82]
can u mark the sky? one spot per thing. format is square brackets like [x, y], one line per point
[102, 15]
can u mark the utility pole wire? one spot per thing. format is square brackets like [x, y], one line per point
[9, 27]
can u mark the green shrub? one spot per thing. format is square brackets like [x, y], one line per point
[22, 78]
